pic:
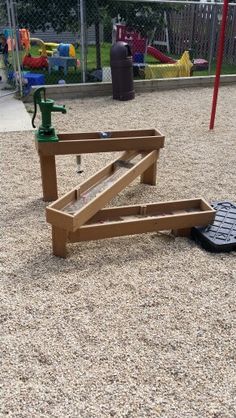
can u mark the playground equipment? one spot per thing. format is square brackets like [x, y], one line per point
[181, 68]
[139, 44]
[11, 42]
[41, 44]
[51, 47]
[136, 42]
[61, 62]
[167, 69]
[66, 50]
[24, 38]
[158, 55]
[30, 62]
[65, 55]
[79, 215]
[22, 35]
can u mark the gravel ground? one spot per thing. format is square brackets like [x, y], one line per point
[132, 327]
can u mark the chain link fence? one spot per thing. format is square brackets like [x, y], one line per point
[69, 42]
[159, 34]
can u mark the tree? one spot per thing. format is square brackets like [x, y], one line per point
[42, 15]
[3, 16]
[143, 17]
[64, 16]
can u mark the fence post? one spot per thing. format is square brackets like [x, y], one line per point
[10, 26]
[18, 63]
[82, 39]
[212, 36]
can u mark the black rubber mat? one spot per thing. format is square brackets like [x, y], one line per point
[220, 236]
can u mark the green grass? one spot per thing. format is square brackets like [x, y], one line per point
[75, 76]
[226, 69]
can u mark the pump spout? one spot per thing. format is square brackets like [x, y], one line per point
[57, 108]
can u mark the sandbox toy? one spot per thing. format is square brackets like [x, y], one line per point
[80, 215]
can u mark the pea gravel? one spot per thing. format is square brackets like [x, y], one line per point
[132, 327]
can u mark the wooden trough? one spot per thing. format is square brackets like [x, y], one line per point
[91, 142]
[179, 216]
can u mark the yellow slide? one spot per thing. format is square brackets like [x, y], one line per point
[182, 68]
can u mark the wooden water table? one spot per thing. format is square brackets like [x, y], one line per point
[80, 215]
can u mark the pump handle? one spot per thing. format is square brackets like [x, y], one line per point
[38, 100]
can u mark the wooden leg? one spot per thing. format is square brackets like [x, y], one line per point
[49, 177]
[59, 239]
[150, 175]
[186, 232]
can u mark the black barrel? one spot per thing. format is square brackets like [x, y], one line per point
[122, 72]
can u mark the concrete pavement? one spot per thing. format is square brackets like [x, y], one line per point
[13, 114]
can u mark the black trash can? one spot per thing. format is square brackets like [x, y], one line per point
[122, 72]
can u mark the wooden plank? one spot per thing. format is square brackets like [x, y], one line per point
[49, 177]
[75, 136]
[105, 172]
[150, 175]
[104, 197]
[205, 205]
[115, 212]
[59, 239]
[59, 219]
[72, 195]
[177, 206]
[186, 232]
[102, 145]
[143, 225]
[64, 200]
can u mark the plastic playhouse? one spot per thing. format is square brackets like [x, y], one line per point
[167, 66]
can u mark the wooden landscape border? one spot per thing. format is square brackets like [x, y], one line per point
[90, 142]
[107, 223]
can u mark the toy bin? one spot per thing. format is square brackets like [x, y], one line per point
[35, 79]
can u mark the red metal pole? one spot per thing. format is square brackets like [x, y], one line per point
[219, 62]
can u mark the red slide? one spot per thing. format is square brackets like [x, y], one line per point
[159, 55]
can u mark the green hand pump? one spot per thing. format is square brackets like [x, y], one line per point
[46, 132]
